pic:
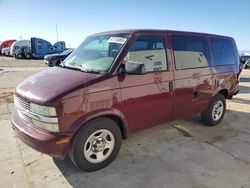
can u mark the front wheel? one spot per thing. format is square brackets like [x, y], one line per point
[96, 144]
[214, 114]
[19, 56]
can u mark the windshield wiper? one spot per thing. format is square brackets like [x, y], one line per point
[74, 65]
[95, 71]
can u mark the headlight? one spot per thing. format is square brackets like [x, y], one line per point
[52, 127]
[42, 110]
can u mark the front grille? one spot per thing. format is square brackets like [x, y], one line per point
[21, 103]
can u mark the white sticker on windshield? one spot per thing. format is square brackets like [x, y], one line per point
[119, 40]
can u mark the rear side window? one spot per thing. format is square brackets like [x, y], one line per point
[190, 51]
[223, 52]
[150, 51]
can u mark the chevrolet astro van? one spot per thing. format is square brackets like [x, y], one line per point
[119, 82]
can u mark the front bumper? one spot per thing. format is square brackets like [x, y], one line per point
[53, 144]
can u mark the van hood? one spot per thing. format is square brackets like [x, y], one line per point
[46, 85]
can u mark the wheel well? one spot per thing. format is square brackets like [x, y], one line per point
[116, 119]
[224, 92]
[119, 123]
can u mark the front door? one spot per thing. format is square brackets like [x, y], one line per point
[147, 100]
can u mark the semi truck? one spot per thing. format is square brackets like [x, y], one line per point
[35, 48]
[17, 46]
[6, 44]
[5, 51]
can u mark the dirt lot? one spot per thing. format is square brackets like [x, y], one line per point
[158, 157]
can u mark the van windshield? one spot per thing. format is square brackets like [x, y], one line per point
[96, 53]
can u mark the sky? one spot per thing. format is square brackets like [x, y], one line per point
[77, 19]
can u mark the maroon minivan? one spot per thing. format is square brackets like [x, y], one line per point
[119, 82]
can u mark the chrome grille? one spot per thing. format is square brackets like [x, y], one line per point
[21, 103]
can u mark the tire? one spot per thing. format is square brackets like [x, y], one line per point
[19, 56]
[85, 152]
[214, 114]
[27, 56]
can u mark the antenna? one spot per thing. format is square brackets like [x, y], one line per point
[56, 33]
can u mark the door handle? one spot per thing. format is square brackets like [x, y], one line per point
[171, 86]
[195, 94]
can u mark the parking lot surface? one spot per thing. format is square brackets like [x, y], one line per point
[162, 156]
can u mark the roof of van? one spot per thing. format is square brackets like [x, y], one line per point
[131, 31]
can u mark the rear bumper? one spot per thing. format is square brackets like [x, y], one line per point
[48, 143]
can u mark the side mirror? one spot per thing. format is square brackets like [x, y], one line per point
[132, 68]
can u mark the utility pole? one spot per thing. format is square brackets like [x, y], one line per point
[21, 37]
[56, 33]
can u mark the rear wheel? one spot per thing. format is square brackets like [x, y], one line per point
[27, 56]
[96, 145]
[214, 114]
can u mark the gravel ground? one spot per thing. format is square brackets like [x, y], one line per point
[12, 62]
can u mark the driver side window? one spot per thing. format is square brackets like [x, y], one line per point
[150, 51]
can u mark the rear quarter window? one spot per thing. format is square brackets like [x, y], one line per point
[223, 52]
[190, 51]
